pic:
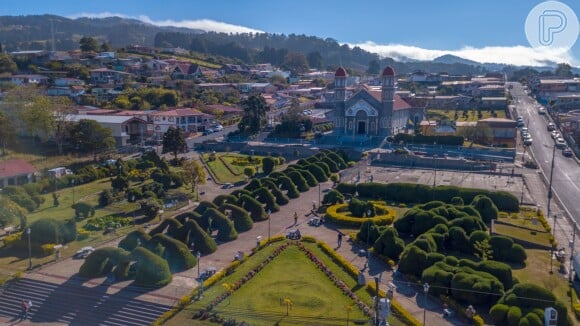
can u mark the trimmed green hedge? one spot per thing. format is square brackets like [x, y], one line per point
[202, 242]
[152, 270]
[242, 220]
[226, 230]
[177, 255]
[336, 214]
[102, 261]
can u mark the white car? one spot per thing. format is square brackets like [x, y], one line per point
[555, 134]
[84, 252]
[217, 128]
[528, 141]
[541, 110]
[560, 142]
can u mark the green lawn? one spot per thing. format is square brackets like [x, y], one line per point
[315, 299]
[523, 233]
[235, 173]
[471, 115]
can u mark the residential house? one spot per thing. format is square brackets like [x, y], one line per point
[494, 103]
[496, 132]
[70, 91]
[62, 82]
[189, 120]
[16, 172]
[490, 91]
[568, 102]
[108, 76]
[29, 79]
[125, 129]
[186, 70]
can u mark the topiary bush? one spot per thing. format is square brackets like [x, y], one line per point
[177, 255]
[83, 210]
[389, 244]
[152, 270]
[102, 261]
[413, 261]
[298, 180]
[254, 207]
[226, 230]
[222, 199]
[203, 206]
[309, 177]
[134, 239]
[241, 218]
[333, 197]
[202, 241]
[289, 186]
[486, 208]
[268, 164]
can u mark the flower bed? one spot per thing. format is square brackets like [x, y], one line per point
[336, 213]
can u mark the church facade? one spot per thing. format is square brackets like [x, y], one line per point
[372, 112]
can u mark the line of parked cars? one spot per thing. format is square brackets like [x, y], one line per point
[212, 129]
[559, 141]
[526, 137]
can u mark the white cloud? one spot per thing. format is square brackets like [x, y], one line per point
[516, 55]
[203, 24]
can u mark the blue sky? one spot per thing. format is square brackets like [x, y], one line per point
[479, 30]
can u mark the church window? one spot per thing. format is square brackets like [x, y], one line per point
[350, 125]
[372, 126]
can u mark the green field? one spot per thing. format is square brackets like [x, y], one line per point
[225, 169]
[291, 275]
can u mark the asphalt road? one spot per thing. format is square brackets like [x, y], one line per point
[566, 176]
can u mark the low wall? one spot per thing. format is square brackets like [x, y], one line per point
[413, 161]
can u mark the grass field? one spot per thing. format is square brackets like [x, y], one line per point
[471, 116]
[235, 173]
[315, 299]
[531, 235]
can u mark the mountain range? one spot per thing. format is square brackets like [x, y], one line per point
[34, 32]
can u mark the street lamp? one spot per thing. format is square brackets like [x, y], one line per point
[200, 290]
[369, 236]
[319, 202]
[73, 190]
[269, 219]
[549, 206]
[425, 290]
[29, 250]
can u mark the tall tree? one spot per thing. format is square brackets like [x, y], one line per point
[90, 137]
[174, 142]
[61, 109]
[315, 60]
[6, 131]
[193, 173]
[89, 44]
[254, 118]
[38, 117]
[295, 62]
[374, 67]
[563, 70]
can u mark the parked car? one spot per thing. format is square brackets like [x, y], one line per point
[541, 110]
[551, 126]
[524, 130]
[560, 142]
[83, 253]
[555, 134]
[521, 123]
[217, 128]
[207, 132]
[567, 152]
[528, 141]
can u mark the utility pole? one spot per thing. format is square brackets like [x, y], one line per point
[572, 244]
[377, 300]
[549, 201]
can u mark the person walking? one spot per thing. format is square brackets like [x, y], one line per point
[339, 239]
[295, 218]
[24, 308]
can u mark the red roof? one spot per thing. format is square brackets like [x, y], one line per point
[340, 72]
[13, 168]
[389, 71]
[400, 104]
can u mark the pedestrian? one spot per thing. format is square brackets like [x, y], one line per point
[295, 218]
[339, 239]
[24, 307]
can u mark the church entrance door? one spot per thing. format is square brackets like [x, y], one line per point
[362, 128]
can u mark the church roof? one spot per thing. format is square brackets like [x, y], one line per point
[340, 72]
[389, 71]
[400, 104]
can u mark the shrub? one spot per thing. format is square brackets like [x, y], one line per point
[309, 177]
[254, 207]
[106, 198]
[242, 220]
[413, 261]
[83, 209]
[45, 230]
[19, 195]
[226, 230]
[333, 197]
[68, 231]
[264, 196]
[133, 194]
[152, 270]
[268, 164]
[334, 214]
[346, 188]
[498, 313]
[11, 213]
[202, 242]
[487, 286]
[134, 239]
[176, 253]
[486, 208]
[287, 184]
[389, 244]
[253, 185]
[101, 262]
[457, 201]
[517, 254]
[513, 316]
[120, 183]
[281, 198]
[203, 206]
[458, 239]
[501, 247]
[223, 199]
[298, 180]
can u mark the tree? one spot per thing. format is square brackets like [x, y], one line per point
[249, 171]
[563, 70]
[295, 62]
[62, 109]
[11, 213]
[7, 65]
[174, 142]
[105, 47]
[193, 173]
[254, 118]
[315, 60]
[37, 115]
[374, 67]
[268, 164]
[89, 136]
[6, 131]
[88, 44]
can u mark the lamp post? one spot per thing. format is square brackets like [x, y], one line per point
[29, 250]
[572, 244]
[73, 190]
[200, 290]
[425, 290]
[269, 219]
[319, 202]
[549, 201]
[369, 236]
